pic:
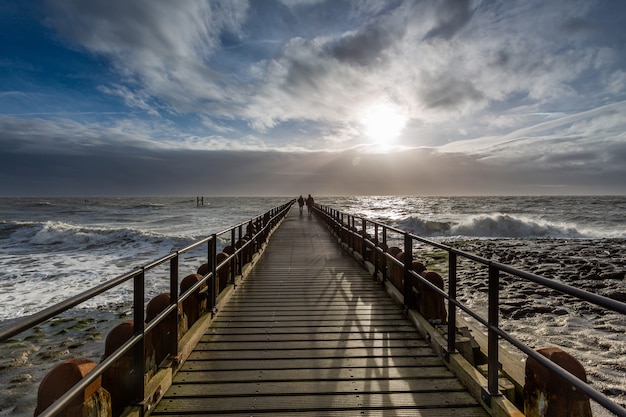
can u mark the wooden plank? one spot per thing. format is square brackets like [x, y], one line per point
[278, 337]
[476, 411]
[198, 362]
[320, 387]
[296, 375]
[348, 354]
[310, 329]
[264, 314]
[361, 322]
[320, 403]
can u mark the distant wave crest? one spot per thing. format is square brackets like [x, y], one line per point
[64, 236]
[490, 225]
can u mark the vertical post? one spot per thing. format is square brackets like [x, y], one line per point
[242, 257]
[233, 262]
[341, 229]
[138, 329]
[375, 249]
[384, 266]
[213, 268]
[451, 305]
[408, 257]
[172, 343]
[492, 377]
[352, 232]
[363, 239]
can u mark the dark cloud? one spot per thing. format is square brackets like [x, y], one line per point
[452, 16]
[193, 172]
[363, 47]
[445, 91]
[576, 25]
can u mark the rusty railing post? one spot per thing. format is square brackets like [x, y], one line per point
[408, 256]
[492, 342]
[212, 261]
[138, 329]
[451, 305]
[172, 343]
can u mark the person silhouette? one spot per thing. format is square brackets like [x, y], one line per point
[301, 203]
[309, 204]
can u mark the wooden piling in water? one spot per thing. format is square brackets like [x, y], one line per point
[549, 395]
[95, 401]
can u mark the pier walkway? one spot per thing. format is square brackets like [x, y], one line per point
[309, 332]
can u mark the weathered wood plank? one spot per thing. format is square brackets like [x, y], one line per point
[297, 375]
[321, 403]
[311, 336]
[476, 411]
[308, 353]
[309, 362]
[320, 387]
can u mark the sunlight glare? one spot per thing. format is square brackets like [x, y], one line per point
[383, 122]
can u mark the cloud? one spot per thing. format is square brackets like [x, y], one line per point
[585, 146]
[139, 100]
[363, 47]
[441, 61]
[447, 92]
[164, 48]
[451, 17]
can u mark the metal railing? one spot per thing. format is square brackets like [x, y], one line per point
[365, 235]
[262, 226]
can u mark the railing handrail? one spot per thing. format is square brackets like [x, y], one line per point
[32, 320]
[491, 323]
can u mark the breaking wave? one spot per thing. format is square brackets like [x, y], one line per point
[496, 225]
[59, 236]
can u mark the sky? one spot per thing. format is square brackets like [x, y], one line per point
[289, 97]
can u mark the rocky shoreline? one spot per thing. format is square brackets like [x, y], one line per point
[597, 266]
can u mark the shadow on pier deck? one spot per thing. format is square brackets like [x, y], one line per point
[309, 332]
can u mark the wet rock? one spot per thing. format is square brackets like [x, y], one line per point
[614, 275]
[617, 295]
[22, 379]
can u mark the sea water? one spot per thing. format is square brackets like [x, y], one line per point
[53, 248]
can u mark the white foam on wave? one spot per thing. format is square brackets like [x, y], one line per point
[505, 225]
[494, 225]
[59, 235]
[44, 263]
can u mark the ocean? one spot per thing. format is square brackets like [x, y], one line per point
[53, 248]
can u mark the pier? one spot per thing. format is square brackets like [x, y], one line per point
[328, 314]
[309, 332]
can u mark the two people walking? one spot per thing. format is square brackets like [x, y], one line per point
[309, 204]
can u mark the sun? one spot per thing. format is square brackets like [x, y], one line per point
[383, 122]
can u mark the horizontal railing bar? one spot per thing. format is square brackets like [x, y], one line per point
[597, 299]
[43, 315]
[182, 297]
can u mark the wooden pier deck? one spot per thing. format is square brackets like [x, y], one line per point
[309, 332]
